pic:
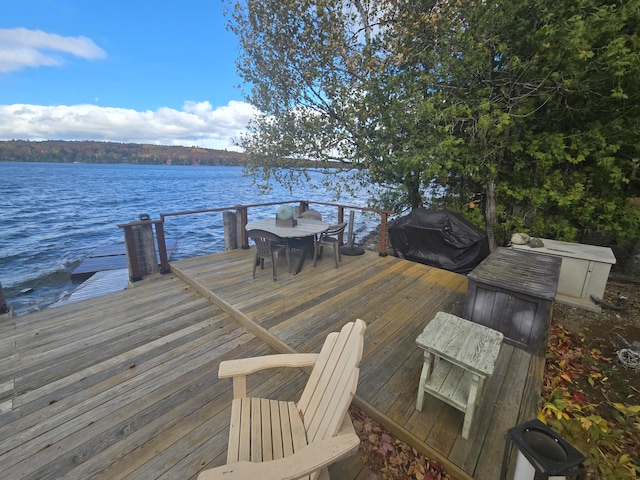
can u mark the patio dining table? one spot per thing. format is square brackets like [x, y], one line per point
[301, 236]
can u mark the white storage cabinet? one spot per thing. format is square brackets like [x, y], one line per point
[584, 271]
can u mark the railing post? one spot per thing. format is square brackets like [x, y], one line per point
[244, 219]
[230, 226]
[162, 247]
[239, 227]
[340, 220]
[132, 254]
[383, 235]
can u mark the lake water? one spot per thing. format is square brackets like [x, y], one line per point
[53, 215]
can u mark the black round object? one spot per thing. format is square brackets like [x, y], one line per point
[544, 444]
[351, 250]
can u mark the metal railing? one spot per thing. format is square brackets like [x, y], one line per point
[135, 271]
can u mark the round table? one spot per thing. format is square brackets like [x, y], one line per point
[301, 236]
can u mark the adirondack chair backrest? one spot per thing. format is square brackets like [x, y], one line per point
[332, 383]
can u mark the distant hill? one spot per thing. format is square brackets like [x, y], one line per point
[111, 152]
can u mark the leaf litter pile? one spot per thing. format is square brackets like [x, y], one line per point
[389, 457]
[591, 391]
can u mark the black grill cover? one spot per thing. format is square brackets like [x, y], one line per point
[439, 238]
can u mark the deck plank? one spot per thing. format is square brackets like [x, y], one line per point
[125, 385]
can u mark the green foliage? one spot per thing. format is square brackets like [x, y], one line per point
[592, 434]
[306, 63]
[528, 110]
[533, 96]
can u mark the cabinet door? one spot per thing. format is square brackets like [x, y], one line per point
[573, 274]
[521, 319]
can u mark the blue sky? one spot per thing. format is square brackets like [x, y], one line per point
[143, 71]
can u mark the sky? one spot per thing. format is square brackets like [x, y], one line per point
[142, 71]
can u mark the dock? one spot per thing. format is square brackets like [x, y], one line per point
[104, 271]
[108, 257]
[98, 284]
[125, 386]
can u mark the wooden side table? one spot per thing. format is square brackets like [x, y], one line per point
[458, 356]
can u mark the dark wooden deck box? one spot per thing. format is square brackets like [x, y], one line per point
[513, 292]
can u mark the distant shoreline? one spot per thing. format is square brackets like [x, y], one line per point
[90, 151]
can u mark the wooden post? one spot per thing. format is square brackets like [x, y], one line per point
[146, 247]
[141, 248]
[132, 254]
[340, 220]
[3, 304]
[351, 235]
[229, 223]
[162, 247]
[244, 219]
[383, 235]
[239, 228]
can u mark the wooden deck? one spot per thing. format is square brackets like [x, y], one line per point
[125, 385]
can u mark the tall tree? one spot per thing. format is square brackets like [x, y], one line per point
[306, 63]
[532, 109]
[522, 115]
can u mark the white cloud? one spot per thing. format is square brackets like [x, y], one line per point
[20, 48]
[197, 124]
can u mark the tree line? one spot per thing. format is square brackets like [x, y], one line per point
[59, 151]
[110, 152]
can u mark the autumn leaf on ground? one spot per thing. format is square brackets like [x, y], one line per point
[579, 397]
[567, 377]
[386, 445]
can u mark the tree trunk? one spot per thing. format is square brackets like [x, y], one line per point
[413, 191]
[490, 214]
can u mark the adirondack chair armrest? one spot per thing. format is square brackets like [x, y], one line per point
[238, 369]
[246, 366]
[310, 459]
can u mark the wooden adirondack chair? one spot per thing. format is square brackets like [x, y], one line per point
[285, 440]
